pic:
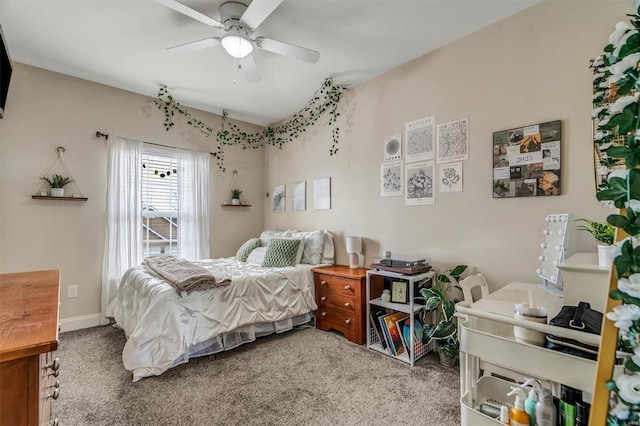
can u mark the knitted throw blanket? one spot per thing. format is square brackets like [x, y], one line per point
[183, 275]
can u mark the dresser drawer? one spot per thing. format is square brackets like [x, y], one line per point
[335, 284]
[328, 300]
[336, 317]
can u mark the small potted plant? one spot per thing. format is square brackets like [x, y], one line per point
[604, 233]
[57, 183]
[235, 196]
[445, 331]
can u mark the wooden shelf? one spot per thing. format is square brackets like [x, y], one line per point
[47, 197]
[235, 205]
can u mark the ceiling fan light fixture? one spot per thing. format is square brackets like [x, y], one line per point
[237, 45]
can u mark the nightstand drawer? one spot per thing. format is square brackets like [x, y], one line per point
[335, 284]
[342, 319]
[328, 300]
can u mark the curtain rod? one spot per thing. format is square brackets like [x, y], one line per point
[99, 134]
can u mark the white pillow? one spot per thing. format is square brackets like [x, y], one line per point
[257, 256]
[328, 250]
[267, 235]
[313, 243]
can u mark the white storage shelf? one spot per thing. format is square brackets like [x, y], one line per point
[494, 341]
[418, 349]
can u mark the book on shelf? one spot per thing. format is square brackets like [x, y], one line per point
[392, 332]
[400, 324]
[375, 315]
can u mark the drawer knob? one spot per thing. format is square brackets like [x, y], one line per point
[347, 287]
[323, 282]
[347, 321]
[55, 365]
[324, 314]
[55, 394]
[323, 298]
[347, 304]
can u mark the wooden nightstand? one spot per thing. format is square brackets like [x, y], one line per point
[340, 295]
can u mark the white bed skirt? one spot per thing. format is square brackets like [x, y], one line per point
[247, 334]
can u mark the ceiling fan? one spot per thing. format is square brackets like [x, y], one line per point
[239, 22]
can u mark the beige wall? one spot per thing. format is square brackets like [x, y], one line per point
[530, 68]
[45, 110]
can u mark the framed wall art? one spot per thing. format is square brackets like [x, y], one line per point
[278, 198]
[391, 179]
[453, 141]
[299, 196]
[418, 140]
[526, 161]
[450, 177]
[419, 184]
[393, 148]
[322, 193]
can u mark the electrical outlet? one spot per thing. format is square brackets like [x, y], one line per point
[72, 291]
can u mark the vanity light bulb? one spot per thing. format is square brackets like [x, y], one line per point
[541, 258]
[558, 248]
[563, 218]
[543, 245]
[538, 271]
[546, 232]
[555, 263]
[552, 279]
[561, 232]
[547, 219]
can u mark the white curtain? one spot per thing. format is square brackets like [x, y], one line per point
[123, 243]
[193, 204]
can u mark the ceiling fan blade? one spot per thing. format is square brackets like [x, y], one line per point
[195, 45]
[288, 49]
[192, 13]
[258, 11]
[248, 67]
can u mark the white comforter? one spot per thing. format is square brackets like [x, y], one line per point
[161, 326]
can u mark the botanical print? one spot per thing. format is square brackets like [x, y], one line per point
[393, 148]
[419, 180]
[322, 193]
[300, 196]
[278, 199]
[391, 178]
[453, 141]
[419, 136]
[450, 177]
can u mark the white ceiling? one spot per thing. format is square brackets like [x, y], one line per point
[121, 43]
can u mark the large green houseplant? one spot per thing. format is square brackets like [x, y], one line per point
[445, 329]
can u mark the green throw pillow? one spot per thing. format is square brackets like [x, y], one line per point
[245, 250]
[280, 253]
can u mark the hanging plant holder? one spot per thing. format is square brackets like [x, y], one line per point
[234, 193]
[56, 183]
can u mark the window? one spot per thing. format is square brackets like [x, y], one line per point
[159, 201]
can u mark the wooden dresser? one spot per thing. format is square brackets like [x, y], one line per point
[340, 295]
[28, 336]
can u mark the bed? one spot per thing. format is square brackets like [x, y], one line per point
[165, 328]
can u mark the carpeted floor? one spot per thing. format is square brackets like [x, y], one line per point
[302, 377]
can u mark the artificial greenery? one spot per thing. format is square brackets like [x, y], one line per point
[617, 118]
[325, 100]
[603, 232]
[57, 181]
[235, 193]
[445, 331]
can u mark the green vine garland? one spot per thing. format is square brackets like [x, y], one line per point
[326, 99]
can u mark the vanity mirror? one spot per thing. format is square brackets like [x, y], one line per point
[553, 252]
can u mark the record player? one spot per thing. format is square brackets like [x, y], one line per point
[402, 265]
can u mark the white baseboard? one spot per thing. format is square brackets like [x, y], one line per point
[83, 321]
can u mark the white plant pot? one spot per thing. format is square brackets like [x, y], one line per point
[57, 192]
[235, 201]
[605, 255]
